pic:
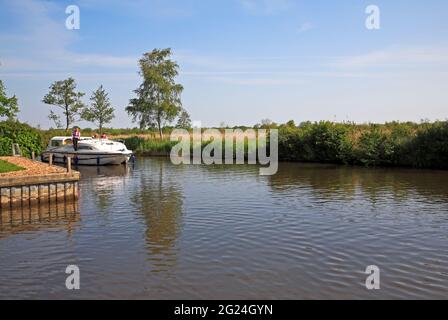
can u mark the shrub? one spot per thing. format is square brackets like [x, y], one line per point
[27, 137]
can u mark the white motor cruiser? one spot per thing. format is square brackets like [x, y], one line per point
[94, 152]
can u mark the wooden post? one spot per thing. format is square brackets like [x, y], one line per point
[33, 155]
[69, 165]
[50, 159]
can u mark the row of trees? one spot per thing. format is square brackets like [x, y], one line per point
[63, 94]
[157, 102]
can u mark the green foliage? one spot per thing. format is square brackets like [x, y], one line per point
[184, 121]
[27, 137]
[423, 145]
[156, 145]
[100, 111]
[142, 145]
[133, 143]
[5, 146]
[63, 95]
[392, 144]
[158, 99]
[430, 146]
[8, 106]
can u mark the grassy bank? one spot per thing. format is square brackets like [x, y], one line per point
[6, 166]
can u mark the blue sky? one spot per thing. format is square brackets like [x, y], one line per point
[240, 60]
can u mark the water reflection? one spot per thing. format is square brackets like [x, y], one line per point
[63, 215]
[222, 232]
[158, 198]
[331, 182]
[105, 183]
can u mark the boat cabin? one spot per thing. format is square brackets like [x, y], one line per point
[62, 141]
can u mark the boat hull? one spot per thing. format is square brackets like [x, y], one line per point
[89, 159]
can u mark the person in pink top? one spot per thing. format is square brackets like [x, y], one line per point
[76, 135]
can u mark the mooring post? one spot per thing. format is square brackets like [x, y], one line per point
[69, 165]
[50, 159]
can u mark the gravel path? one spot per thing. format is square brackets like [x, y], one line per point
[32, 168]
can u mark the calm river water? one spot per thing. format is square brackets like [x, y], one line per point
[159, 231]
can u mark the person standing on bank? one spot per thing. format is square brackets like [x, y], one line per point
[76, 135]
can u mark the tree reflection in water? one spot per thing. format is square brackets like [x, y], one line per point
[343, 182]
[159, 198]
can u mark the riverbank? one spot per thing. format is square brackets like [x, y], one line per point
[394, 144]
[423, 145]
[28, 168]
[37, 181]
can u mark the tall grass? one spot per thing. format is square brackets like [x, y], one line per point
[420, 145]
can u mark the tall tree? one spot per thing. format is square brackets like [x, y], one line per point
[184, 121]
[63, 94]
[158, 97]
[100, 110]
[8, 106]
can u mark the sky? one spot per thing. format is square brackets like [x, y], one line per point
[240, 61]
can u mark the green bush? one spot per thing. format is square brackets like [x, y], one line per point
[430, 146]
[27, 137]
[5, 146]
[422, 145]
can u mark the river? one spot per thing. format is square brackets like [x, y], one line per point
[154, 230]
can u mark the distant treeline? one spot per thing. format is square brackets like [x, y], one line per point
[419, 145]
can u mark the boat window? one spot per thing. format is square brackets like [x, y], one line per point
[68, 141]
[56, 143]
[84, 148]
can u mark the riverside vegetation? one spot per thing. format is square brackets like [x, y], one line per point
[419, 145]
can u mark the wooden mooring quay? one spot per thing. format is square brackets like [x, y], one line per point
[39, 183]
